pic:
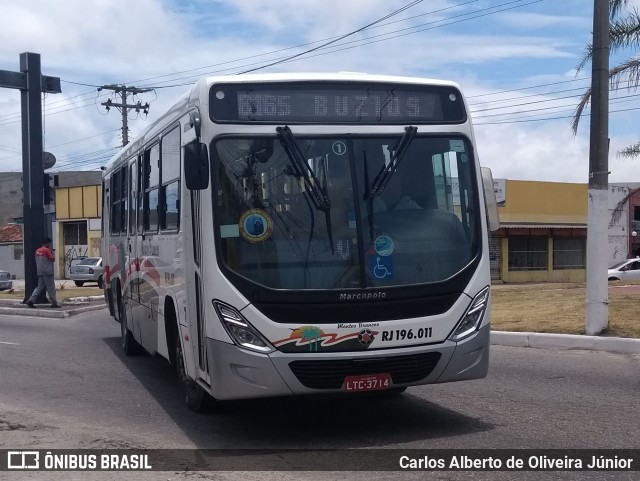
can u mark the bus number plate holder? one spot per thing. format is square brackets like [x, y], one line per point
[367, 382]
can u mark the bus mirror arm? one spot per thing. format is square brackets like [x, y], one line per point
[196, 166]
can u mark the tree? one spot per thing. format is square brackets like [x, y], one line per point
[624, 32]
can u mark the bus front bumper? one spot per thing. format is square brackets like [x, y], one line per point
[240, 374]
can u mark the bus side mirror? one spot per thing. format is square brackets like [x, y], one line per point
[196, 166]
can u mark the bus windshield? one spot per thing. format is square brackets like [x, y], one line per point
[414, 223]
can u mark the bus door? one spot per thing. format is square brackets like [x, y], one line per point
[132, 292]
[193, 250]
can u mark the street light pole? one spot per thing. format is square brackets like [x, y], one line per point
[597, 298]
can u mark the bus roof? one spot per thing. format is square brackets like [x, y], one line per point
[310, 76]
[203, 84]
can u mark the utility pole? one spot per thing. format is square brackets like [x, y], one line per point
[31, 84]
[597, 298]
[124, 107]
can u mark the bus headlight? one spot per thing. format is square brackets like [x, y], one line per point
[473, 317]
[239, 329]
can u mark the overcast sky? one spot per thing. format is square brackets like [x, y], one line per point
[514, 59]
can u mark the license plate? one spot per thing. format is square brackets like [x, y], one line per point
[368, 382]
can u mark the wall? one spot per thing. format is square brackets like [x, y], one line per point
[79, 203]
[619, 224]
[544, 203]
[7, 262]
[535, 207]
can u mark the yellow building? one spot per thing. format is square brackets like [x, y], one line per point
[543, 233]
[77, 227]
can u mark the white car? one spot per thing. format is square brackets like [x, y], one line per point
[628, 270]
[88, 269]
[5, 281]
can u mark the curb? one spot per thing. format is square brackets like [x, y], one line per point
[538, 340]
[49, 313]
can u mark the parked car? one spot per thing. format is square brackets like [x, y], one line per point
[87, 270]
[628, 270]
[5, 281]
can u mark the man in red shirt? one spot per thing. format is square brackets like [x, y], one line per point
[44, 268]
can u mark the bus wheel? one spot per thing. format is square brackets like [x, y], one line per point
[129, 344]
[196, 398]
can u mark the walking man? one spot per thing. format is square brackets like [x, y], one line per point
[44, 269]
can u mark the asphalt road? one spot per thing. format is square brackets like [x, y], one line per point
[65, 383]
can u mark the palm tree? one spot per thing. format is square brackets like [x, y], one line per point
[624, 32]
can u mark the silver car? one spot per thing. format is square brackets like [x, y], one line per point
[5, 281]
[87, 270]
[628, 270]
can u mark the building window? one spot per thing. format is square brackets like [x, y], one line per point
[17, 252]
[569, 253]
[75, 233]
[527, 253]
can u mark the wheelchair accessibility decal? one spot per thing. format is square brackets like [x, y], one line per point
[255, 225]
[381, 267]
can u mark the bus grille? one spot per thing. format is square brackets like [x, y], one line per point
[330, 374]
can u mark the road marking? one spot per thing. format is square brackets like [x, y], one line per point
[10, 343]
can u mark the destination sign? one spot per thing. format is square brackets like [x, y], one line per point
[335, 103]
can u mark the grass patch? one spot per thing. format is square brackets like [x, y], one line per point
[560, 308]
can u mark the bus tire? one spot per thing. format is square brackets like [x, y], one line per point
[108, 299]
[197, 399]
[130, 347]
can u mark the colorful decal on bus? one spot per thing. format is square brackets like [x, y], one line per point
[255, 225]
[313, 339]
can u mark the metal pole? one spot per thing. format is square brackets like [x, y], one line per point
[32, 168]
[125, 126]
[597, 297]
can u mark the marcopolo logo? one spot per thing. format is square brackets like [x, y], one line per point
[362, 296]
[23, 460]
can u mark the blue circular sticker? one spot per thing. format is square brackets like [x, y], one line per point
[255, 225]
[383, 245]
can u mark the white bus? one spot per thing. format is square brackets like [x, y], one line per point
[273, 235]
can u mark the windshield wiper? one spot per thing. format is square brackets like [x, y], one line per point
[383, 177]
[301, 169]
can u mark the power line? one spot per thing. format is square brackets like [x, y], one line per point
[368, 41]
[330, 42]
[140, 81]
[387, 36]
[549, 118]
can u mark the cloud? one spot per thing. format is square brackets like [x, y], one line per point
[164, 42]
[535, 21]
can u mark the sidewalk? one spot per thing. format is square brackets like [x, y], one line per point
[620, 345]
[69, 307]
